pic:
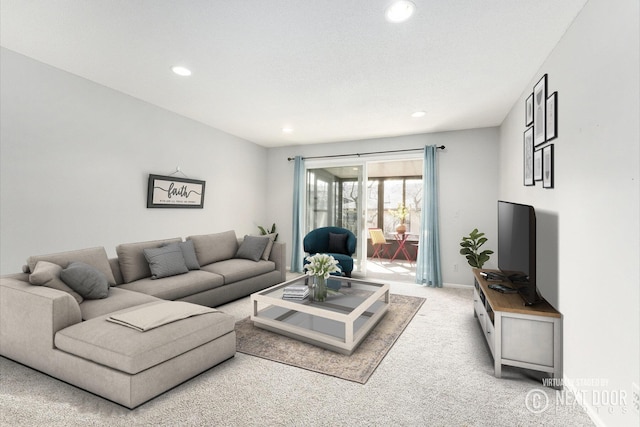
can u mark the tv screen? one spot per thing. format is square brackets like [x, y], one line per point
[517, 247]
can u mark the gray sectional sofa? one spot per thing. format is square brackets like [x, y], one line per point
[47, 324]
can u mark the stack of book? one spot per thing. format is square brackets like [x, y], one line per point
[296, 292]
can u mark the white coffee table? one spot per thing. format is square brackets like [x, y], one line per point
[339, 324]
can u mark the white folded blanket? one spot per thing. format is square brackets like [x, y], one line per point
[152, 316]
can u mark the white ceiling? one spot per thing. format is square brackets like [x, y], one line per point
[332, 70]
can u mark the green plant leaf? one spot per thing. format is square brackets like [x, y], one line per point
[470, 245]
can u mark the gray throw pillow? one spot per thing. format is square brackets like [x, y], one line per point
[252, 247]
[165, 261]
[86, 280]
[48, 274]
[188, 252]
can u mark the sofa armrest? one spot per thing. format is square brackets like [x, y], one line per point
[278, 255]
[30, 316]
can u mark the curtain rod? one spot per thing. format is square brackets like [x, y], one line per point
[441, 147]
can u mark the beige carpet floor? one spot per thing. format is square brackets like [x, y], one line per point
[357, 367]
[438, 373]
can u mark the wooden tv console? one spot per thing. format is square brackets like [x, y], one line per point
[518, 335]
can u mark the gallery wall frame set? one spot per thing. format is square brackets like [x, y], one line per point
[173, 192]
[541, 120]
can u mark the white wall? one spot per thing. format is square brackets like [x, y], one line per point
[75, 157]
[468, 177]
[590, 234]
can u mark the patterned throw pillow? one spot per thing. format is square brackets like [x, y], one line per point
[47, 274]
[165, 261]
[86, 280]
[188, 252]
[252, 247]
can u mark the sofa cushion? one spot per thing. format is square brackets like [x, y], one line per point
[133, 264]
[48, 274]
[96, 257]
[118, 299]
[131, 351]
[215, 247]
[267, 251]
[252, 247]
[85, 280]
[165, 261]
[189, 254]
[237, 269]
[176, 287]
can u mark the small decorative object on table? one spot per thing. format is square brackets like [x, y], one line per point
[320, 268]
[295, 292]
[401, 214]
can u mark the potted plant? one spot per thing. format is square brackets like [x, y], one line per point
[471, 245]
[401, 213]
[265, 231]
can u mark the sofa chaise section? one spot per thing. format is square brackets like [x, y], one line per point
[47, 334]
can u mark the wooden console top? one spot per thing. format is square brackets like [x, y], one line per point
[512, 303]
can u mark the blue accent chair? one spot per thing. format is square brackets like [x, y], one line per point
[335, 241]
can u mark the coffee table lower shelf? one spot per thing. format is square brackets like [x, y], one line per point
[325, 333]
[339, 324]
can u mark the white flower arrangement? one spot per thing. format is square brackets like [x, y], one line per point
[321, 265]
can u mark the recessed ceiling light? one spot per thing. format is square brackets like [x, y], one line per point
[181, 71]
[419, 114]
[400, 11]
[287, 130]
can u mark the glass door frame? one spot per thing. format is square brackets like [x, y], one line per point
[361, 248]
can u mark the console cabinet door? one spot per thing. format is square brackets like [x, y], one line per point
[528, 340]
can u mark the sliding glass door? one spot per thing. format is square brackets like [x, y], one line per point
[336, 195]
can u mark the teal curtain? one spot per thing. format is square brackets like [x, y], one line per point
[297, 251]
[428, 271]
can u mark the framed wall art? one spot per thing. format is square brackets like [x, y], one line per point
[528, 157]
[528, 111]
[540, 111]
[537, 165]
[552, 116]
[171, 192]
[547, 166]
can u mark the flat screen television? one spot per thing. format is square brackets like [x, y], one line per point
[517, 248]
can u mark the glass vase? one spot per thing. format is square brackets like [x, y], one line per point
[318, 291]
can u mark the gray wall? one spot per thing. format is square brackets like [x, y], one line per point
[75, 157]
[468, 178]
[588, 226]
